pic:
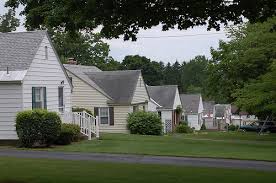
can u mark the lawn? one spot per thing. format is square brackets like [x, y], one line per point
[47, 171]
[208, 144]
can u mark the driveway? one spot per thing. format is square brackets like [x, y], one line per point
[162, 160]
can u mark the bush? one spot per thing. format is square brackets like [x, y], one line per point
[144, 123]
[37, 127]
[203, 127]
[233, 127]
[69, 133]
[183, 128]
[79, 109]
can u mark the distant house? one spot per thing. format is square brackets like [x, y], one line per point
[208, 110]
[165, 100]
[31, 77]
[222, 116]
[111, 95]
[239, 118]
[192, 110]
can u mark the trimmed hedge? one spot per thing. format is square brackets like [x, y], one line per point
[233, 127]
[69, 133]
[144, 123]
[184, 128]
[37, 127]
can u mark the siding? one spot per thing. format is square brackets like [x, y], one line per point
[46, 73]
[10, 104]
[86, 96]
[120, 120]
[193, 121]
[140, 94]
[177, 101]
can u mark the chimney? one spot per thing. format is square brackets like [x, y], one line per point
[72, 61]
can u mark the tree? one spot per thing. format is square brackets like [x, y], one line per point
[124, 17]
[245, 57]
[8, 22]
[86, 48]
[259, 96]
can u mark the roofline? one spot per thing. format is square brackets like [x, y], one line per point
[60, 63]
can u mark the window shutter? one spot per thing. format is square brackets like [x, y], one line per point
[96, 111]
[111, 116]
[33, 98]
[45, 97]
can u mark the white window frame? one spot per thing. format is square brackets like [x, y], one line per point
[61, 108]
[100, 116]
[39, 97]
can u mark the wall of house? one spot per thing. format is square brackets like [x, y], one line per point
[120, 120]
[10, 104]
[140, 94]
[193, 121]
[177, 101]
[209, 124]
[152, 106]
[166, 116]
[46, 72]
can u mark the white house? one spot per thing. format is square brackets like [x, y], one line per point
[111, 95]
[208, 118]
[222, 116]
[239, 118]
[165, 100]
[31, 77]
[192, 110]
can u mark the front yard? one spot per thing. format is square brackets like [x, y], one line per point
[205, 144]
[15, 170]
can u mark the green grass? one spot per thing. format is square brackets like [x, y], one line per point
[48, 171]
[211, 144]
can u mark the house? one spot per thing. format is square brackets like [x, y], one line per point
[166, 101]
[111, 95]
[192, 110]
[208, 120]
[31, 77]
[222, 116]
[239, 118]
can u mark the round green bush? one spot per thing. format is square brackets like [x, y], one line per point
[37, 127]
[183, 128]
[69, 133]
[144, 123]
[233, 127]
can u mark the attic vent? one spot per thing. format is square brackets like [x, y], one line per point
[46, 52]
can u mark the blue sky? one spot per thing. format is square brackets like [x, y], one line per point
[183, 47]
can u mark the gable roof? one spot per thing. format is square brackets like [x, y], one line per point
[208, 107]
[163, 95]
[120, 85]
[190, 102]
[18, 49]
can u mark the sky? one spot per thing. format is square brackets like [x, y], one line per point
[158, 45]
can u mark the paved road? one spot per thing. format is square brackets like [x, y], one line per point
[122, 158]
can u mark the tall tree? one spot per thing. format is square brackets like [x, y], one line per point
[8, 21]
[246, 56]
[124, 17]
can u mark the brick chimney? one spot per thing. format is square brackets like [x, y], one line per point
[72, 61]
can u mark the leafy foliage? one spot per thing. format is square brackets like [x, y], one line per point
[8, 22]
[144, 123]
[69, 133]
[183, 128]
[119, 17]
[80, 109]
[37, 127]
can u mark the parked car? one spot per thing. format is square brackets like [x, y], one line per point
[257, 126]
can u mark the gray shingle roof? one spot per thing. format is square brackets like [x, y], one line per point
[208, 107]
[220, 109]
[163, 95]
[190, 102]
[120, 85]
[18, 49]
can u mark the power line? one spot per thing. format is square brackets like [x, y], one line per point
[187, 35]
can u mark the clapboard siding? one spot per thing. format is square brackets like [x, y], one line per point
[10, 105]
[177, 101]
[120, 120]
[46, 73]
[140, 94]
[86, 96]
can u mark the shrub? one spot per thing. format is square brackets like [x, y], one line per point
[203, 127]
[69, 133]
[183, 128]
[37, 127]
[233, 127]
[79, 109]
[144, 123]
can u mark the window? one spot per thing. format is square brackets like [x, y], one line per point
[61, 99]
[135, 108]
[104, 115]
[39, 98]
[46, 52]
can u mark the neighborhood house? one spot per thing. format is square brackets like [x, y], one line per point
[111, 95]
[31, 77]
